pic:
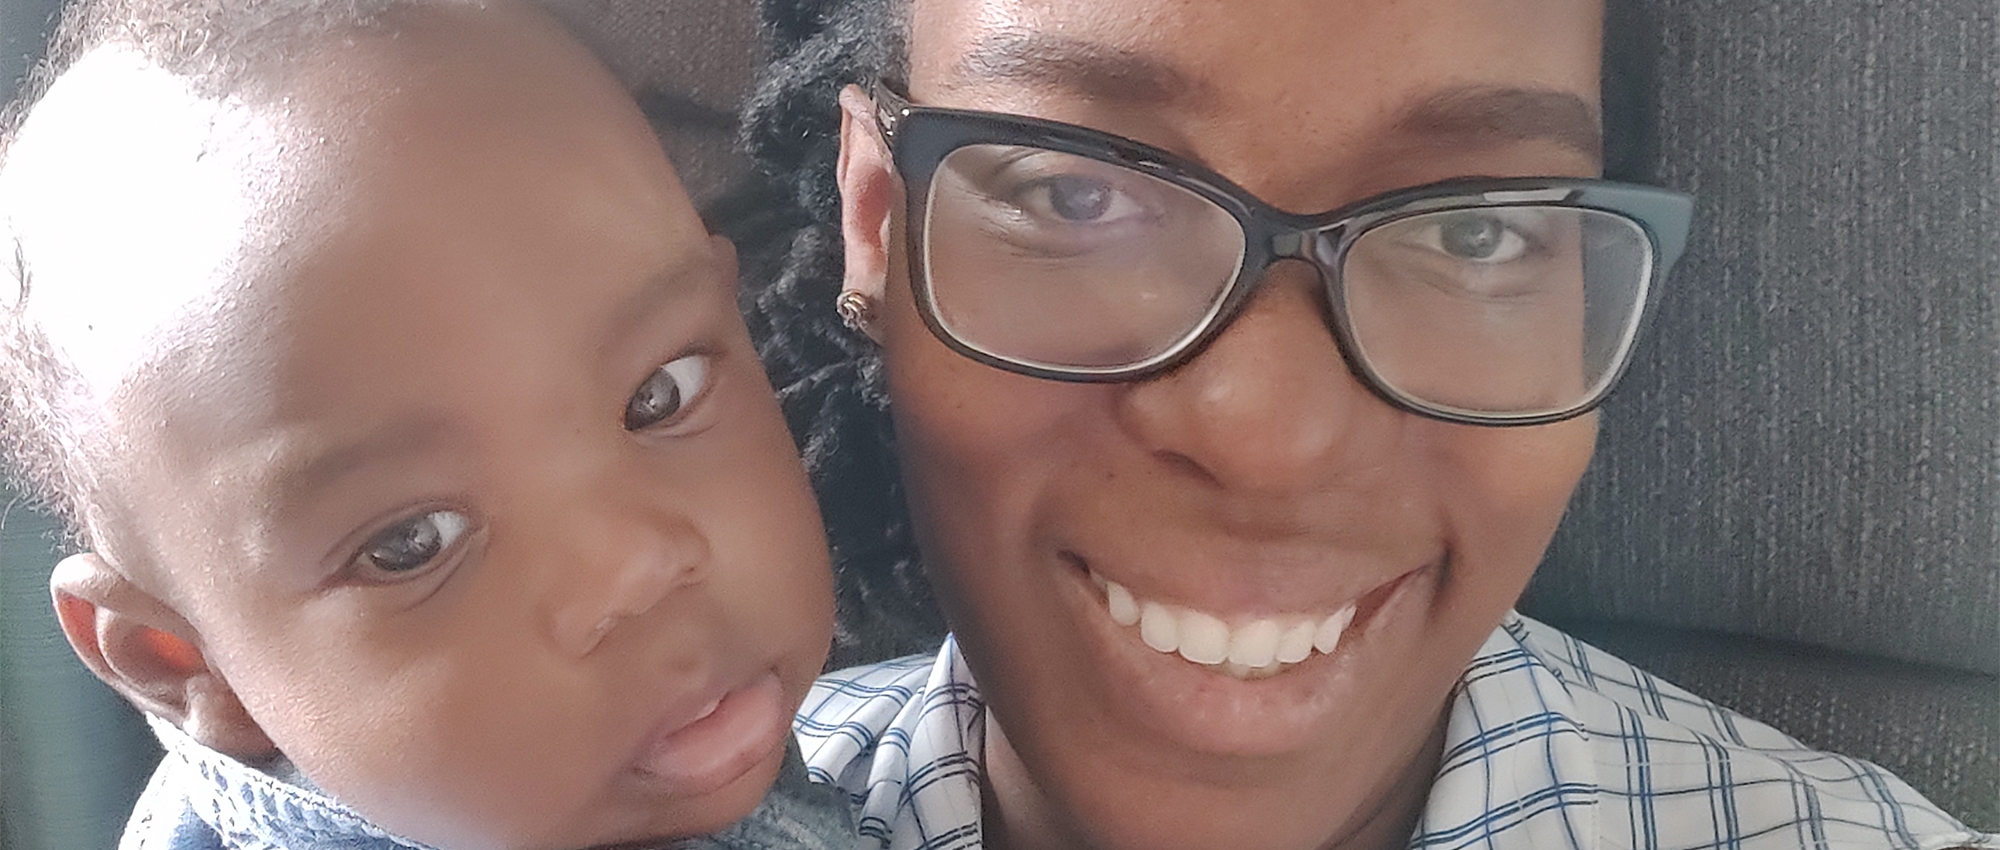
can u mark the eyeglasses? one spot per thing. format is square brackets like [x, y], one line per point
[1066, 253]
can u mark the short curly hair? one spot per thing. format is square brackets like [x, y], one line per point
[831, 379]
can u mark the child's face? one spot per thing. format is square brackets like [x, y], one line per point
[484, 507]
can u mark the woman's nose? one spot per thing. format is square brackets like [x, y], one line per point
[622, 561]
[1270, 404]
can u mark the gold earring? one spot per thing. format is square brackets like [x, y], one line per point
[857, 311]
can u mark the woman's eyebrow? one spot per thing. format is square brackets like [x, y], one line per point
[1467, 115]
[1089, 68]
[1474, 116]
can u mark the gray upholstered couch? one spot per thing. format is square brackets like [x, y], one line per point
[1796, 506]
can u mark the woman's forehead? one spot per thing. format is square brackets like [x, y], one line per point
[1346, 99]
[1292, 50]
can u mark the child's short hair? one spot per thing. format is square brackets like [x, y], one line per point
[219, 47]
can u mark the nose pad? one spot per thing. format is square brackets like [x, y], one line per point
[621, 570]
[1270, 403]
[1309, 276]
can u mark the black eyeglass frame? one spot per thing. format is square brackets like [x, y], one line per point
[921, 137]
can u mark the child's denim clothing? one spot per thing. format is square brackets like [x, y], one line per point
[200, 799]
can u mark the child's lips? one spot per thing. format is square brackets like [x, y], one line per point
[720, 742]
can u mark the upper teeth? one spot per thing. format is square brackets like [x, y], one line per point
[1255, 647]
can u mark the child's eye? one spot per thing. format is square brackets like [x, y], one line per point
[666, 392]
[409, 545]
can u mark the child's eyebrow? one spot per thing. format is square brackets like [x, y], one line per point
[673, 283]
[302, 473]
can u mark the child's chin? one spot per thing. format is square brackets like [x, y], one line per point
[709, 813]
[722, 808]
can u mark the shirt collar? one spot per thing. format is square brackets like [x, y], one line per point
[1515, 758]
[240, 801]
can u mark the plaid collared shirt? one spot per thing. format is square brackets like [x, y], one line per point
[1551, 744]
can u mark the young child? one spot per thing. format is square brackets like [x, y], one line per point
[420, 456]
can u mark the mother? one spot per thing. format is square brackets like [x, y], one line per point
[1227, 507]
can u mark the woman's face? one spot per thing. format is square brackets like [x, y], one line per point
[1260, 482]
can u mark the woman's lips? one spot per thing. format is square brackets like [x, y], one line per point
[721, 741]
[1221, 711]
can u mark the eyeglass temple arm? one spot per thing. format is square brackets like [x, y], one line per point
[890, 108]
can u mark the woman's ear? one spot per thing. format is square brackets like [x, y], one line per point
[869, 192]
[149, 654]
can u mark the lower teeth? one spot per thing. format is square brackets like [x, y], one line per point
[1240, 671]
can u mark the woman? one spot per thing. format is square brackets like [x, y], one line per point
[1227, 507]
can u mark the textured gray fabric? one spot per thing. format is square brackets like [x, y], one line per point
[1931, 726]
[690, 62]
[24, 26]
[1808, 446]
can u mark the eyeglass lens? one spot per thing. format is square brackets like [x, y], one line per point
[1066, 263]
[1496, 310]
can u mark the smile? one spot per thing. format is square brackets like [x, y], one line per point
[1254, 648]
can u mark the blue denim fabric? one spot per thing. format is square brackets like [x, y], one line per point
[200, 799]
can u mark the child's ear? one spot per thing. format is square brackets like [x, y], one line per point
[869, 192]
[150, 655]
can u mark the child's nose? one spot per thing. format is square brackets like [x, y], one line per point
[621, 569]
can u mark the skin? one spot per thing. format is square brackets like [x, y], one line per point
[1261, 478]
[461, 253]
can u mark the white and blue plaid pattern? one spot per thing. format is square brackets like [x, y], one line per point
[1551, 744]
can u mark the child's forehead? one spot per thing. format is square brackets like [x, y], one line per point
[133, 199]
[142, 198]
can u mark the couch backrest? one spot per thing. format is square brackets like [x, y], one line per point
[1808, 448]
[1795, 505]
[690, 62]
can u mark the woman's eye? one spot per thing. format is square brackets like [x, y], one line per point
[1477, 238]
[410, 545]
[667, 392]
[1071, 199]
